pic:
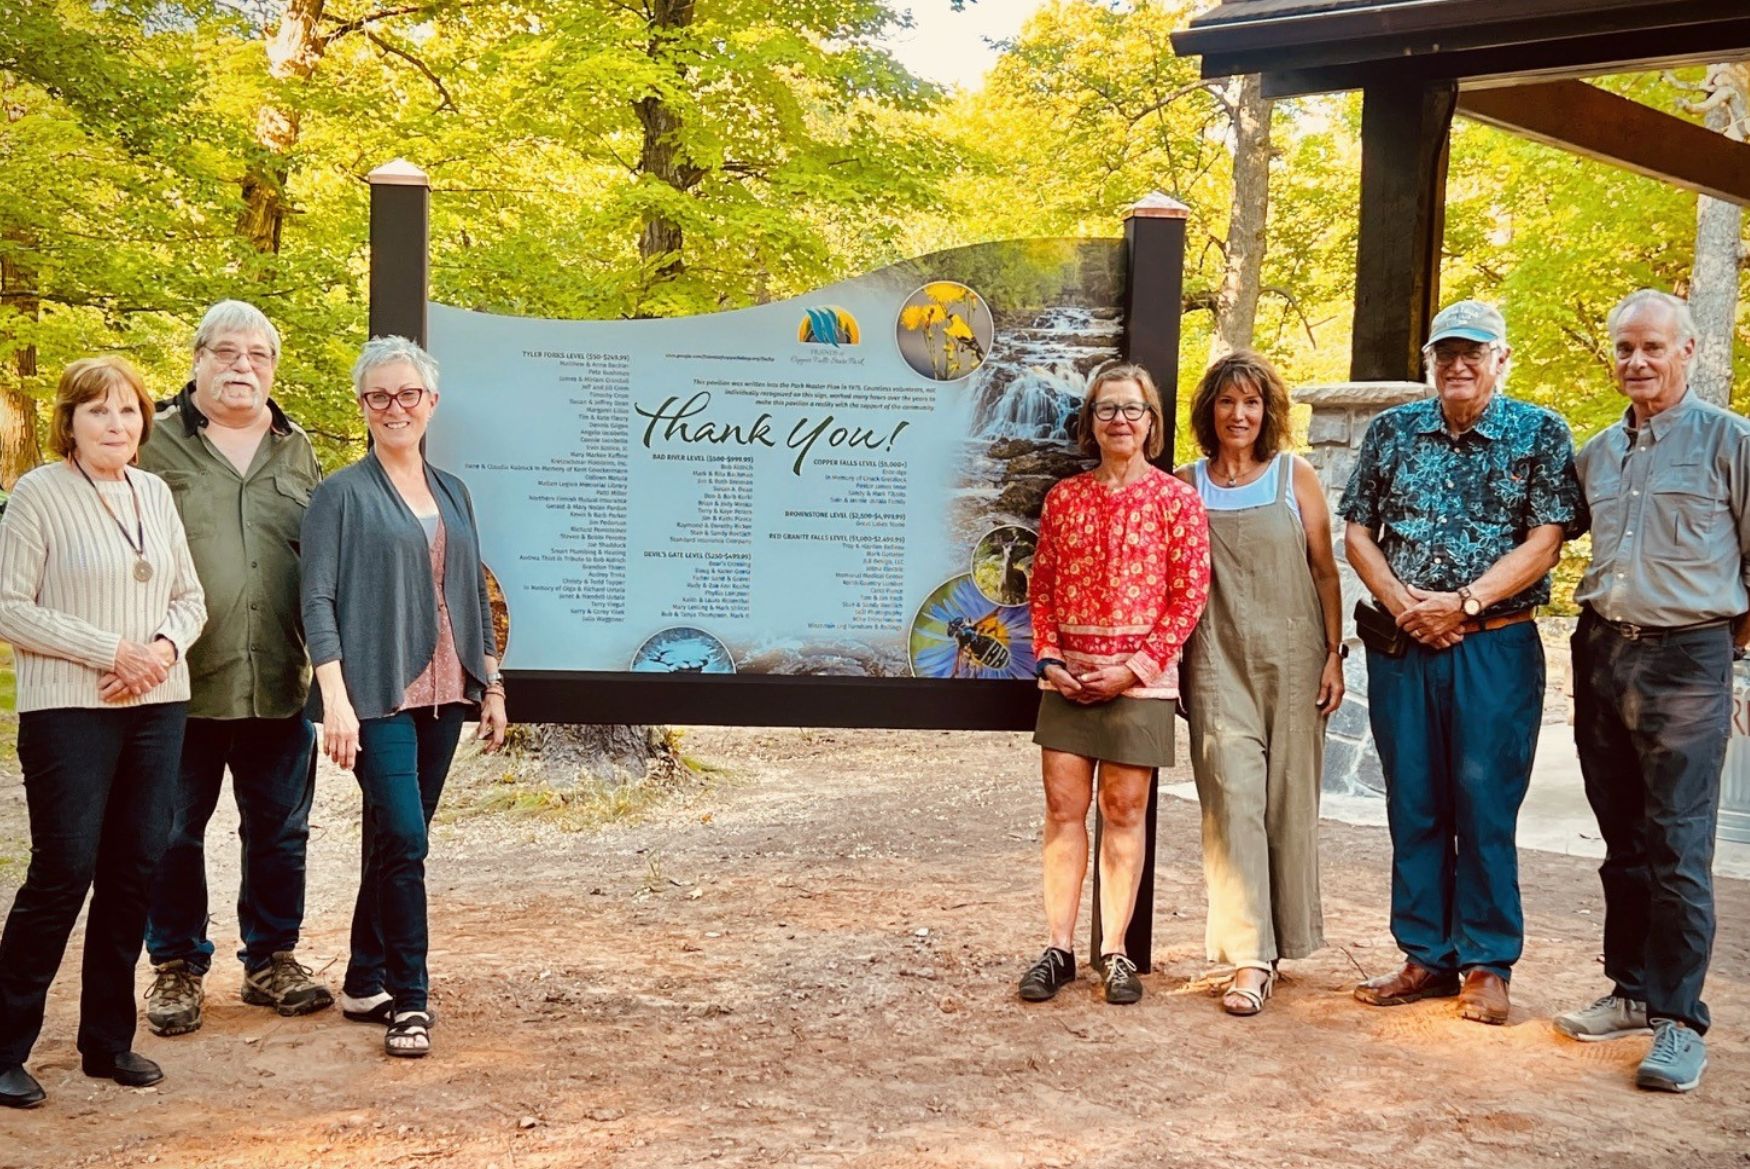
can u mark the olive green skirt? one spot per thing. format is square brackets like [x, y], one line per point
[1136, 731]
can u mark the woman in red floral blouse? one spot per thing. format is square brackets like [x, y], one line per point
[1119, 580]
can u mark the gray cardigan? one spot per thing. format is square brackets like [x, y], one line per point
[368, 599]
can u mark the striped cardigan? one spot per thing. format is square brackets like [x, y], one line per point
[68, 596]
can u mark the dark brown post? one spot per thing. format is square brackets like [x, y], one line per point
[1154, 293]
[400, 250]
[1406, 130]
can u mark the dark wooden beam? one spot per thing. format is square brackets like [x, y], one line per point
[1377, 32]
[1569, 57]
[1598, 124]
[1405, 132]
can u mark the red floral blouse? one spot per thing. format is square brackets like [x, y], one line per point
[1120, 577]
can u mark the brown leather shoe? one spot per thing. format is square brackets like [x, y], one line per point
[1484, 998]
[1411, 984]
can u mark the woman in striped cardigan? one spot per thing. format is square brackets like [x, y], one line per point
[99, 598]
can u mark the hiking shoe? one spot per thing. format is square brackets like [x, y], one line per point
[286, 986]
[1611, 1017]
[1055, 969]
[173, 1001]
[1122, 985]
[1677, 1060]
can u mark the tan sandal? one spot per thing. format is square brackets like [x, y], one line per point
[1244, 1001]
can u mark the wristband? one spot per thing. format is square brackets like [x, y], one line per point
[1039, 667]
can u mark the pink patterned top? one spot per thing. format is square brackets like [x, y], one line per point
[1121, 577]
[442, 680]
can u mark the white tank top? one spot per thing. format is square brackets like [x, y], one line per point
[1260, 492]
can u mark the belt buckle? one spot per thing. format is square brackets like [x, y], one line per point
[1630, 631]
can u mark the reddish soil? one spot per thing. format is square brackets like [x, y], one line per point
[812, 962]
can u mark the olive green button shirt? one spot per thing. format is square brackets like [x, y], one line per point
[250, 661]
[1669, 509]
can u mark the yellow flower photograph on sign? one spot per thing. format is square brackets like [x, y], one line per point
[945, 330]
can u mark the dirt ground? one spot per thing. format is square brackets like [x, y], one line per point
[811, 962]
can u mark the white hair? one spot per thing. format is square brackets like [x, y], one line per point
[1686, 330]
[379, 351]
[235, 316]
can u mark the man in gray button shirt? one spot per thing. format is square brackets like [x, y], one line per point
[1664, 613]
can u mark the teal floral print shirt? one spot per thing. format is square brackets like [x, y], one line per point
[1443, 510]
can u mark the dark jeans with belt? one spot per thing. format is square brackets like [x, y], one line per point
[403, 761]
[99, 785]
[1652, 716]
[273, 777]
[1457, 731]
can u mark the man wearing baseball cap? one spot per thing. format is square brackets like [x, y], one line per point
[1456, 512]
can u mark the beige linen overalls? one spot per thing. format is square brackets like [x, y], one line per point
[1257, 737]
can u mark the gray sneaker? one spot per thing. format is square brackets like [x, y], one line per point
[1677, 1060]
[286, 986]
[1611, 1017]
[173, 1001]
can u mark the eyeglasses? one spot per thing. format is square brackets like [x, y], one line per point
[1449, 355]
[227, 355]
[1107, 411]
[379, 400]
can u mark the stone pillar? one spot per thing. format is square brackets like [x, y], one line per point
[1340, 416]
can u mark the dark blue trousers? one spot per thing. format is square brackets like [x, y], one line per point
[1652, 717]
[1457, 732]
[99, 785]
[402, 764]
[273, 777]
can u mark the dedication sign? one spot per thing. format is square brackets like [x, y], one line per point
[843, 488]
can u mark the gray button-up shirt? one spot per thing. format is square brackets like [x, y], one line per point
[1669, 508]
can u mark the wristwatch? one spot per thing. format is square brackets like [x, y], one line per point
[1472, 606]
[1341, 650]
[1039, 666]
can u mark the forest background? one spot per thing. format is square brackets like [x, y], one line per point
[619, 158]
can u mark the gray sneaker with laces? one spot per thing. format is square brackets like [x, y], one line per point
[173, 1001]
[286, 986]
[1611, 1017]
[1678, 1058]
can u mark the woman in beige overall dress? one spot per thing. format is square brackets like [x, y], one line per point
[1263, 671]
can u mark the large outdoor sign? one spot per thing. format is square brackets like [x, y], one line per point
[822, 504]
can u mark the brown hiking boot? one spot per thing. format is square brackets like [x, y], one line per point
[286, 986]
[173, 1002]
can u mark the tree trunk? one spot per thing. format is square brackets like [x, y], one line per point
[661, 242]
[1236, 301]
[562, 755]
[292, 54]
[20, 450]
[1719, 246]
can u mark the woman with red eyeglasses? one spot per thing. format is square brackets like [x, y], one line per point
[400, 635]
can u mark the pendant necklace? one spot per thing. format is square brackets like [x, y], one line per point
[137, 542]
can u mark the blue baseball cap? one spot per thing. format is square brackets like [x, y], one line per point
[1472, 320]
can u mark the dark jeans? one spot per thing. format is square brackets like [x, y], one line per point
[402, 763]
[1651, 720]
[273, 778]
[99, 785]
[1457, 730]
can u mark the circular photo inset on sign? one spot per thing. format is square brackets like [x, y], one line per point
[945, 330]
[1002, 563]
[683, 649]
[500, 611]
[958, 633]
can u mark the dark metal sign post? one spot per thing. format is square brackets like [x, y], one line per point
[1154, 233]
[1154, 291]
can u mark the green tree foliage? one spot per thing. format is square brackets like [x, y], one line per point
[615, 158]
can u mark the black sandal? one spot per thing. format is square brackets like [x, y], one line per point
[414, 1029]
